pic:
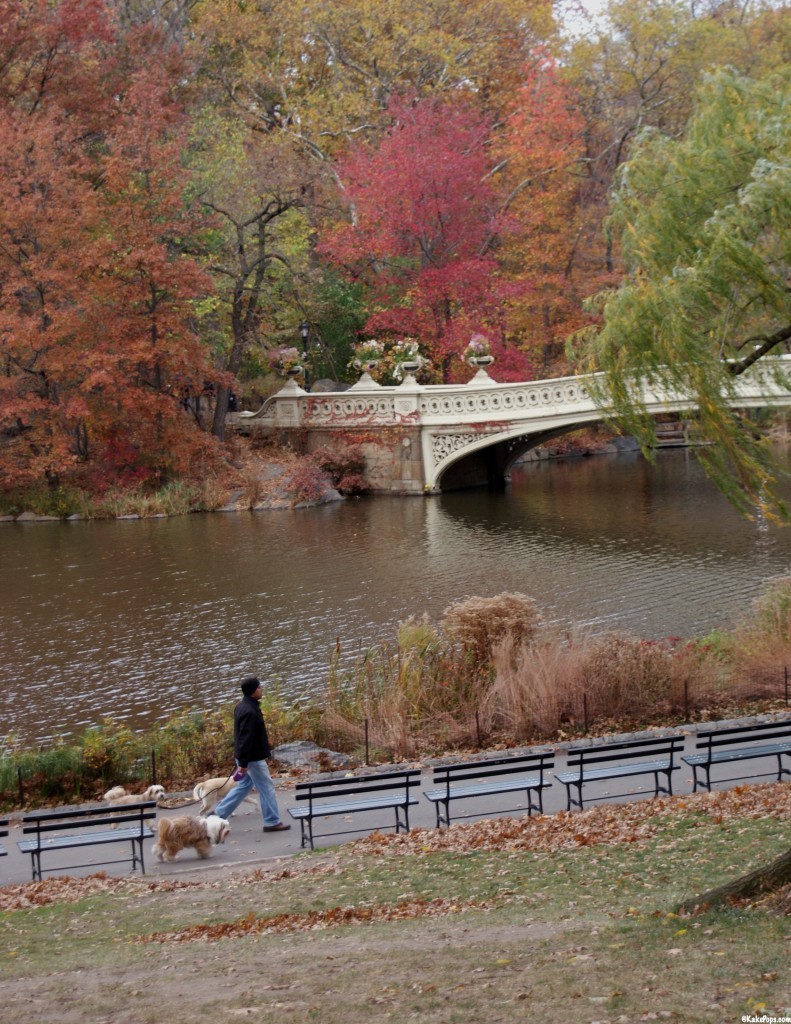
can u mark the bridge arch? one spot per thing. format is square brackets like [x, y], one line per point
[489, 460]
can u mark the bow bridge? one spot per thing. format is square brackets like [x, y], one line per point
[421, 439]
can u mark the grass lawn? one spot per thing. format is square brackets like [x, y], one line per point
[567, 918]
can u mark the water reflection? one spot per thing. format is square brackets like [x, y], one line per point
[137, 619]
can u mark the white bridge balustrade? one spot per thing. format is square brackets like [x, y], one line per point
[420, 439]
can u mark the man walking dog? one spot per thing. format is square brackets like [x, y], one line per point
[251, 749]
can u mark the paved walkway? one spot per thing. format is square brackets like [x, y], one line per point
[248, 845]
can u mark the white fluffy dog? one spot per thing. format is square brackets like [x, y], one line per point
[117, 796]
[175, 834]
[211, 791]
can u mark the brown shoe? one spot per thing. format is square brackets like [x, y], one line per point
[280, 827]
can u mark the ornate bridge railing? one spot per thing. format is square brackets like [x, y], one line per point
[449, 422]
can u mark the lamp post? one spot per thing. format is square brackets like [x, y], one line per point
[304, 330]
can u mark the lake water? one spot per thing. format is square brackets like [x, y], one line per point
[138, 619]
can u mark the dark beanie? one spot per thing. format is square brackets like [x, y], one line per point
[249, 685]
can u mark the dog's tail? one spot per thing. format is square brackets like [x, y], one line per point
[164, 828]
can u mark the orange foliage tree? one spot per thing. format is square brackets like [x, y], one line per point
[99, 358]
[540, 147]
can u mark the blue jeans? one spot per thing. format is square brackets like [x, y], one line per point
[258, 776]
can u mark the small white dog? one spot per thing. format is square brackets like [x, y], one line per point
[117, 796]
[211, 791]
[175, 834]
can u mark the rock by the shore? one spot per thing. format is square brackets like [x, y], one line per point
[34, 517]
[304, 752]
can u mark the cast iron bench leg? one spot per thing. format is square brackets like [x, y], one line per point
[399, 823]
[658, 788]
[139, 843]
[571, 802]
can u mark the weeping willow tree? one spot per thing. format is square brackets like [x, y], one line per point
[705, 228]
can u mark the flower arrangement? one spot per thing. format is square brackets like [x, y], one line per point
[477, 347]
[407, 350]
[281, 360]
[385, 360]
[370, 351]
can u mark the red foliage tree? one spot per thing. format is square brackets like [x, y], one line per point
[424, 217]
[96, 291]
[462, 226]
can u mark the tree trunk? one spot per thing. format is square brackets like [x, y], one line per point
[220, 411]
[766, 879]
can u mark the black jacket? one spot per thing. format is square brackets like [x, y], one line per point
[250, 741]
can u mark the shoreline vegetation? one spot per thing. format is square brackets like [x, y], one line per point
[492, 674]
[260, 476]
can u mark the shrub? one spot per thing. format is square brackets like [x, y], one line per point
[61, 501]
[479, 623]
[623, 675]
[345, 466]
[306, 483]
[536, 690]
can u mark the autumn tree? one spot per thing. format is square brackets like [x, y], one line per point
[464, 224]
[325, 72]
[98, 354]
[540, 147]
[639, 68]
[704, 226]
[320, 77]
[424, 217]
[254, 189]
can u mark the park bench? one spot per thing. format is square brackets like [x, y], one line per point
[55, 831]
[601, 762]
[373, 792]
[490, 777]
[739, 743]
[3, 832]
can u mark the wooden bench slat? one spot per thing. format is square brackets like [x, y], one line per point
[489, 789]
[618, 771]
[87, 839]
[761, 730]
[345, 786]
[742, 754]
[349, 807]
[108, 819]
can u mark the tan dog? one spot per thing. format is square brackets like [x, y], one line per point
[211, 791]
[117, 796]
[176, 834]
